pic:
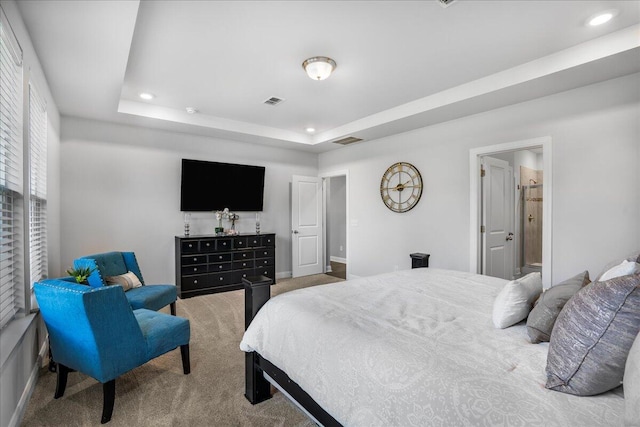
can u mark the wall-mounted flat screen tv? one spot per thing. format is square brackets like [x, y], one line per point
[213, 186]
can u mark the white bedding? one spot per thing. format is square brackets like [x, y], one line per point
[416, 348]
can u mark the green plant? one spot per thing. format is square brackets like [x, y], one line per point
[80, 274]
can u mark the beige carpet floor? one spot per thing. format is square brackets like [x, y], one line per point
[338, 269]
[158, 394]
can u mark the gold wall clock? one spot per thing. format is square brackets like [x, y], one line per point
[401, 187]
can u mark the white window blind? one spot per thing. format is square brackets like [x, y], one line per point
[11, 271]
[38, 186]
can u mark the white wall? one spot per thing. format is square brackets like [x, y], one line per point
[22, 339]
[121, 191]
[596, 206]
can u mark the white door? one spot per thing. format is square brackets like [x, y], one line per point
[497, 218]
[306, 226]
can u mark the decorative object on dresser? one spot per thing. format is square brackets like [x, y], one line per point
[210, 264]
[419, 260]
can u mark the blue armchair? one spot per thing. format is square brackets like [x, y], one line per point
[152, 297]
[95, 331]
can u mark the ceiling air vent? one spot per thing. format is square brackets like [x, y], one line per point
[445, 3]
[274, 100]
[348, 140]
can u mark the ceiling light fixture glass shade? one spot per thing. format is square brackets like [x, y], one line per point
[319, 67]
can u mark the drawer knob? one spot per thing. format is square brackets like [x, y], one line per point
[190, 245]
[220, 257]
[195, 259]
[220, 278]
[195, 281]
[195, 268]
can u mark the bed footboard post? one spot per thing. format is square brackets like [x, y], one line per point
[257, 291]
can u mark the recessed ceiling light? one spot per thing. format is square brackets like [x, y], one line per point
[602, 17]
[147, 96]
[191, 110]
[310, 130]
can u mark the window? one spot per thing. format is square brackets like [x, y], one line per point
[11, 170]
[38, 186]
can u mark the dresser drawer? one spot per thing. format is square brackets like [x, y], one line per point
[242, 274]
[268, 240]
[194, 269]
[207, 245]
[220, 279]
[254, 241]
[189, 246]
[194, 259]
[194, 282]
[244, 264]
[242, 255]
[223, 245]
[270, 272]
[264, 262]
[265, 253]
[239, 242]
[220, 257]
[224, 266]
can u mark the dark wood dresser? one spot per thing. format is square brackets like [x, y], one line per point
[209, 264]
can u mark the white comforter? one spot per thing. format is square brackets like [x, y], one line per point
[416, 348]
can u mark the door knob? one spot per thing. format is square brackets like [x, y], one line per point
[509, 236]
[295, 231]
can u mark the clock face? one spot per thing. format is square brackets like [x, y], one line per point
[401, 187]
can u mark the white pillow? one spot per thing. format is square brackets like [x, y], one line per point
[515, 300]
[623, 269]
[127, 281]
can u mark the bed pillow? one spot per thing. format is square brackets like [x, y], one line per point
[592, 337]
[127, 281]
[515, 300]
[545, 311]
[624, 268]
[632, 386]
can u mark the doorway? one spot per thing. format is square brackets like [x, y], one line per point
[336, 232]
[319, 215]
[531, 161]
[336, 226]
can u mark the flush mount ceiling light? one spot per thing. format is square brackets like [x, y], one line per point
[602, 17]
[319, 67]
[310, 130]
[147, 96]
[191, 110]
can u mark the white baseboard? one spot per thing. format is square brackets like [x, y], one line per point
[338, 259]
[328, 269]
[283, 275]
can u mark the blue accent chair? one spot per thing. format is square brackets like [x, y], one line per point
[95, 331]
[152, 297]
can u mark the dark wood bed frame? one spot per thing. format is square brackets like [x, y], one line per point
[257, 291]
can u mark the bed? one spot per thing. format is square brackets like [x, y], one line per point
[410, 348]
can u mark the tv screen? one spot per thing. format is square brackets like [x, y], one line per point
[213, 186]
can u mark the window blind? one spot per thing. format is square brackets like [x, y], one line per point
[38, 186]
[11, 170]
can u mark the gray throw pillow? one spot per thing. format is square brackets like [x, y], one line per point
[593, 335]
[544, 314]
[632, 386]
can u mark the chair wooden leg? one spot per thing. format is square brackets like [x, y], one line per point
[109, 396]
[52, 364]
[61, 383]
[186, 362]
[172, 306]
